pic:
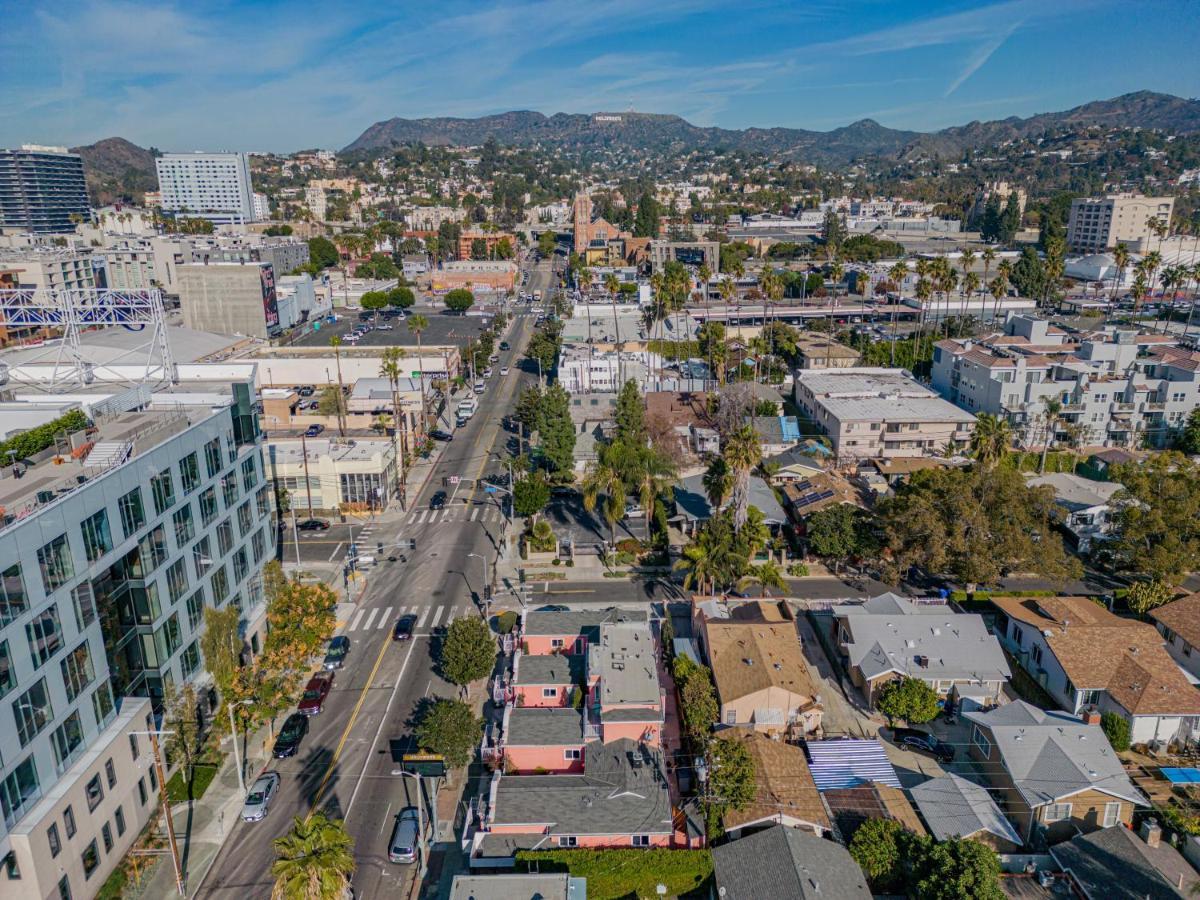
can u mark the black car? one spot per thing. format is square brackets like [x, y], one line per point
[504, 345]
[335, 657]
[290, 736]
[403, 628]
[438, 500]
[313, 525]
[438, 435]
[913, 739]
[554, 607]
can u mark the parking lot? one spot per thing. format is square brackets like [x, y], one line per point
[588, 530]
[444, 330]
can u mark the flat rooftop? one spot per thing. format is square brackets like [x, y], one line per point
[358, 449]
[878, 394]
[109, 345]
[625, 661]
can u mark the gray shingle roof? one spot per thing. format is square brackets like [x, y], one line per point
[1050, 754]
[612, 796]
[955, 807]
[785, 862]
[1116, 864]
[535, 727]
[549, 670]
[579, 621]
[693, 502]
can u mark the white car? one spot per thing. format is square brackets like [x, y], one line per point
[258, 801]
[504, 370]
[487, 373]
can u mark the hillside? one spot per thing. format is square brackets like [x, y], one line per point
[663, 133]
[117, 170]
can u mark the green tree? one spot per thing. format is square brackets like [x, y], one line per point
[530, 495]
[953, 869]
[742, 450]
[1156, 522]
[468, 652]
[630, 414]
[459, 300]
[331, 401]
[833, 533]
[479, 248]
[1029, 274]
[529, 408]
[908, 699]
[221, 644]
[989, 226]
[833, 232]
[764, 576]
[878, 847]
[504, 249]
[449, 728]
[991, 439]
[556, 430]
[374, 301]
[731, 780]
[1010, 219]
[697, 701]
[1144, 596]
[314, 860]
[401, 298]
[322, 252]
[645, 222]
[1116, 729]
[184, 729]
[603, 480]
[547, 241]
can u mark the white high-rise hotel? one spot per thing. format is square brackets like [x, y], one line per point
[213, 186]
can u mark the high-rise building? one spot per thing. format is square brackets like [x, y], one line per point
[213, 186]
[1100, 223]
[111, 549]
[41, 189]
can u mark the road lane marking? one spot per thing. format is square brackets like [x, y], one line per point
[436, 616]
[354, 622]
[370, 618]
[474, 514]
[387, 614]
[335, 551]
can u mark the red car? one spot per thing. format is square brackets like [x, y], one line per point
[315, 692]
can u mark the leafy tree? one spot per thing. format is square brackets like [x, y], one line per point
[300, 618]
[459, 300]
[631, 414]
[479, 248]
[1010, 220]
[991, 439]
[1144, 596]
[877, 847]
[547, 241]
[401, 297]
[1156, 523]
[557, 431]
[645, 222]
[221, 644]
[989, 227]
[1029, 274]
[450, 728]
[314, 860]
[468, 652]
[952, 869]
[529, 408]
[374, 301]
[731, 780]
[1187, 440]
[504, 249]
[184, 727]
[697, 700]
[833, 232]
[1116, 729]
[835, 532]
[909, 699]
[530, 495]
[379, 266]
[331, 401]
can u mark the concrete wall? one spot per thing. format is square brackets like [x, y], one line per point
[226, 299]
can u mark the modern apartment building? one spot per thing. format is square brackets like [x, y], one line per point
[213, 186]
[1100, 223]
[51, 268]
[1116, 388]
[41, 189]
[111, 548]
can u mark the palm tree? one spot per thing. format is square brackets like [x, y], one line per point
[1005, 271]
[991, 439]
[1194, 276]
[1139, 288]
[313, 861]
[968, 260]
[389, 368]
[604, 480]
[1120, 255]
[1050, 416]
[988, 256]
[924, 293]
[742, 453]
[997, 288]
[718, 483]
[417, 324]
[652, 475]
[765, 575]
[699, 563]
[896, 274]
[336, 343]
[772, 290]
[970, 283]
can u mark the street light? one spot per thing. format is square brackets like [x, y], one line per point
[237, 756]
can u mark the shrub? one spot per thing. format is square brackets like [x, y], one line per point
[630, 545]
[556, 561]
[909, 699]
[570, 563]
[506, 621]
[615, 874]
[625, 558]
[798, 570]
[1116, 729]
[35, 440]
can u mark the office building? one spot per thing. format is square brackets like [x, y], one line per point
[230, 298]
[1098, 224]
[111, 549]
[42, 189]
[262, 207]
[213, 186]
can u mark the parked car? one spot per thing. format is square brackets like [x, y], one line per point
[923, 741]
[313, 430]
[312, 701]
[402, 848]
[438, 500]
[480, 387]
[504, 370]
[385, 327]
[312, 525]
[258, 801]
[504, 345]
[403, 629]
[335, 657]
[295, 727]
[306, 391]
[438, 435]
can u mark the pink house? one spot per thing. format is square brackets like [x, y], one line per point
[569, 631]
[542, 740]
[546, 681]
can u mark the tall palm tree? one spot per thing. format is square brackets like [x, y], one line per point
[988, 256]
[765, 576]
[1005, 270]
[1120, 255]
[896, 275]
[1194, 277]
[313, 861]
[603, 479]
[416, 325]
[1138, 289]
[336, 343]
[968, 260]
[742, 452]
[1050, 416]
[652, 475]
[997, 288]
[837, 271]
[728, 293]
[389, 368]
[991, 439]
[700, 564]
[612, 284]
[718, 483]
[970, 283]
[923, 293]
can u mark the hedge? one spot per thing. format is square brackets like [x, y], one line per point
[984, 596]
[613, 874]
[35, 440]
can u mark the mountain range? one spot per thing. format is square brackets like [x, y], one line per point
[115, 169]
[666, 133]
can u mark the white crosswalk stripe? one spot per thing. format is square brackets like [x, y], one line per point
[474, 514]
[370, 618]
[386, 617]
[437, 615]
[354, 622]
[422, 617]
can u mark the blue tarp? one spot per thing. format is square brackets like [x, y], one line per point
[1181, 776]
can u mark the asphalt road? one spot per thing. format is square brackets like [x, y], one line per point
[345, 764]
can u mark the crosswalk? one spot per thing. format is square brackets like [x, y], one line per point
[427, 616]
[480, 514]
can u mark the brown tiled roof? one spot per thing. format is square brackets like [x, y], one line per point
[752, 657]
[1101, 651]
[1182, 616]
[784, 784]
[983, 358]
[951, 345]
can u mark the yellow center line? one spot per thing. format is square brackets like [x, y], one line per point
[349, 725]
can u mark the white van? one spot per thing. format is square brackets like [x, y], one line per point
[480, 386]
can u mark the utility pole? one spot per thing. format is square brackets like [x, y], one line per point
[307, 483]
[295, 534]
[166, 804]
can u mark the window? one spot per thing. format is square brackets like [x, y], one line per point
[153, 780]
[152, 551]
[189, 473]
[241, 566]
[97, 539]
[19, 789]
[641, 840]
[245, 518]
[249, 474]
[77, 671]
[220, 586]
[185, 526]
[1018, 636]
[66, 739]
[229, 490]
[731, 717]
[212, 457]
[8, 680]
[572, 754]
[64, 888]
[106, 834]
[110, 773]
[1056, 812]
[56, 564]
[1112, 814]
[190, 661]
[133, 515]
[556, 643]
[91, 859]
[69, 822]
[195, 610]
[208, 506]
[102, 703]
[1036, 652]
[142, 791]
[261, 501]
[162, 488]
[550, 692]
[32, 711]
[13, 601]
[258, 544]
[568, 840]
[53, 839]
[177, 580]
[134, 750]
[119, 818]
[83, 598]
[225, 537]
[95, 793]
[167, 639]
[202, 555]
[45, 635]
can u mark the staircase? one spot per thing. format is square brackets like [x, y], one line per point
[106, 454]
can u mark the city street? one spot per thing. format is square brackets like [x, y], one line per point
[345, 764]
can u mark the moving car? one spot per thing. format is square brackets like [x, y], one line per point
[335, 658]
[403, 628]
[258, 801]
[479, 386]
[313, 699]
[438, 500]
[313, 430]
[313, 525]
[504, 345]
[290, 735]
[922, 741]
[504, 370]
[402, 848]
[438, 435]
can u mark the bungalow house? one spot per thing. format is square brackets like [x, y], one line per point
[1116, 864]
[1083, 506]
[1084, 656]
[539, 741]
[1055, 775]
[776, 433]
[1179, 624]
[798, 463]
[953, 807]
[891, 637]
[785, 793]
[786, 862]
[858, 782]
[693, 509]
[881, 477]
[803, 498]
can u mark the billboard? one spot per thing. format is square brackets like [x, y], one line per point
[269, 298]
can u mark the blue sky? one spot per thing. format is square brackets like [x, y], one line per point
[269, 75]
